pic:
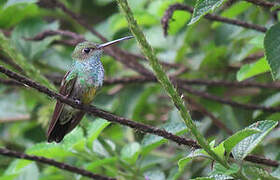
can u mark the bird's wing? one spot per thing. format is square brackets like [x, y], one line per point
[67, 85]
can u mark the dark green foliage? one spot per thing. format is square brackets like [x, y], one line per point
[208, 50]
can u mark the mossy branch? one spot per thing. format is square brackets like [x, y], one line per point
[166, 83]
[28, 68]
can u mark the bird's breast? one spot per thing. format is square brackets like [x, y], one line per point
[88, 95]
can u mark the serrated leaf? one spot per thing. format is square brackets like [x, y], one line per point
[219, 169]
[130, 152]
[250, 70]
[258, 173]
[247, 145]
[203, 7]
[204, 178]
[233, 140]
[183, 161]
[272, 49]
[221, 177]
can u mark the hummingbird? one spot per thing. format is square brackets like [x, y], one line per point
[80, 83]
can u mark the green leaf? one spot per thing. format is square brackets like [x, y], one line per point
[143, 102]
[27, 29]
[51, 150]
[219, 169]
[233, 140]
[197, 153]
[272, 49]
[203, 7]
[8, 48]
[9, 177]
[22, 169]
[276, 173]
[179, 20]
[74, 140]
[14, 100]
[150, 142]
[270, 101]
[130, 152]
[119, 22]
[247, 145]
[250, 70]
[150, 161]
[184, 161]
[221, 177]
[95, 129]
[8, 17]
[258, 173]
[101, 162]
[154, 174]
[204, 178]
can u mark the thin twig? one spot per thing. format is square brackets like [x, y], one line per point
[262, 3]
[183, 84]
[113, 118]
[76, 38]
[169, 12]
[120, 55]
[227, 101]
[60, 165]
[98, 112]
[204, 111]
[56, 79]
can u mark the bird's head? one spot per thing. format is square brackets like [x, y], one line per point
[86, 50]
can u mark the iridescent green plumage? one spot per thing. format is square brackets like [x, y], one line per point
[80, 83]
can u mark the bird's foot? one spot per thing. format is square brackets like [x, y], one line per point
[77, 101]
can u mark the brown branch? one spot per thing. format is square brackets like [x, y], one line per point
[124, 57]
[183, 84]
[169, 12]
[262, 3]
[98, 112]
[113, 118]
[253, 57]
[56, 79]
[75, 39]
[60, 165]
[65, 33]
[227, 101]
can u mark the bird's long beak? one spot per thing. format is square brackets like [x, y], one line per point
[113, 42]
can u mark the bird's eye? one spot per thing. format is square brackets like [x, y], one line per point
[86, 50]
